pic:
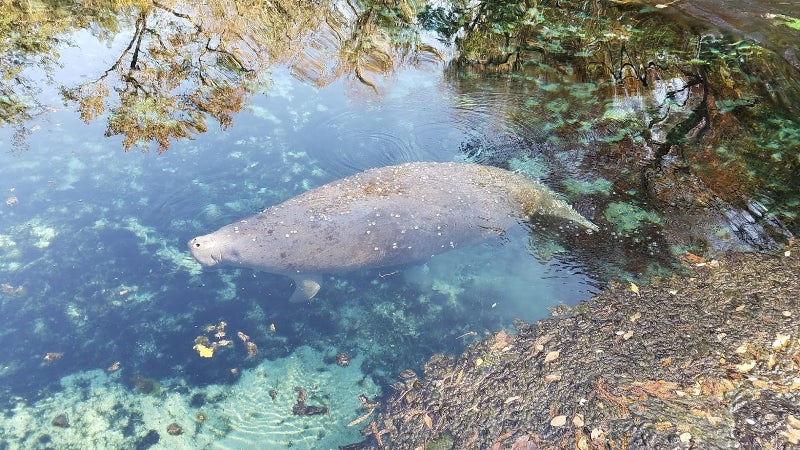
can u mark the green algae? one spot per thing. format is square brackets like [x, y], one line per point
[599, 186]
[789, 21]
[535, 167]
[627, 217]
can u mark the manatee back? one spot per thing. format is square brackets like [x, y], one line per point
[383, 217]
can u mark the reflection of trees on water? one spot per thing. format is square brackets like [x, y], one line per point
[691, 107]
[31, 32]
[185, 63]
[188, 62]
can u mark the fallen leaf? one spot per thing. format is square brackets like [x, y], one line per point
[203, 351]
[665, 425]
[501, 340]
[549, 378]
[697, 412]
[627, 335]
[558, 421]
[694, 259]
[597, 433]
[539, 343]
[635, 289]
[780, 340]
[552, 356]
[577, 420]
[523, 443]
[746, 367]
[792, 435]
[713, 420]
[635, 317]
[686, 437]
[428, 421]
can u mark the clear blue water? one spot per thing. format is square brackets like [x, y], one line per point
[93, 253]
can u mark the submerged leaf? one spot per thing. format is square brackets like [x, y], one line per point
[203, 351]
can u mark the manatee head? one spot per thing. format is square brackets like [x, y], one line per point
[207, 250]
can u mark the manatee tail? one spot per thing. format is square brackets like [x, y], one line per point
[560, 208]
[537, 199]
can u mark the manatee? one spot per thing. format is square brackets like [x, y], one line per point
[387, 216]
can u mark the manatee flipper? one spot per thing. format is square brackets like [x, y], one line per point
[306, 287]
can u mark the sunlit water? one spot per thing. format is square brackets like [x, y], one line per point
[93, 254]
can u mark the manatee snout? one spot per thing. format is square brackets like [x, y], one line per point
[204, 251]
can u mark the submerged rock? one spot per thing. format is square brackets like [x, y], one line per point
[61, 421]
[301, 409]
[174, 429]
[707, 360]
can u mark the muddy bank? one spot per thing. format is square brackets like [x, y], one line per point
[709, 360]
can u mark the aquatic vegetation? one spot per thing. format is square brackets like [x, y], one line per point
[535, 167]
[600, 186]
[448, 291]
[627, 217]
[43, 234]
[145, 385]
[175, 257]
[791, 22]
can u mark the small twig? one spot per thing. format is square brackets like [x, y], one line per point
[362, 418]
